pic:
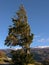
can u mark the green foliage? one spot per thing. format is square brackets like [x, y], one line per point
[19, 34]
[19, 57]
[45, 62]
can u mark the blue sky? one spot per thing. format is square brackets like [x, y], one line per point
[38, 18]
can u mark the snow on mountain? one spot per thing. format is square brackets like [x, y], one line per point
[42, 47]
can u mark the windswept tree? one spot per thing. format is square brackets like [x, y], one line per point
[19, 33]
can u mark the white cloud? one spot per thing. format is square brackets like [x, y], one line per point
[43, 40]
[36, 36]
[39, 38]
[47, 40]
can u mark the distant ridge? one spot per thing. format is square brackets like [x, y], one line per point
[41, 47]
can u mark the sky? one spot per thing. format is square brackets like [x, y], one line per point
[38, 19]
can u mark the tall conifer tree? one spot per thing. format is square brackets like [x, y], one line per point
[19, 33]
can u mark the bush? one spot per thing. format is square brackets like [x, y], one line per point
[18, 57]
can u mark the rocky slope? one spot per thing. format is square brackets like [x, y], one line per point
[40, 54]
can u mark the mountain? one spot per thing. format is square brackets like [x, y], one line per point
[40, 54]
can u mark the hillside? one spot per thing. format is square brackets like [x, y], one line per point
[39, 54]
[5, 56]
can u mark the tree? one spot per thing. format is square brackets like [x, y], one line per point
[19, 33]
